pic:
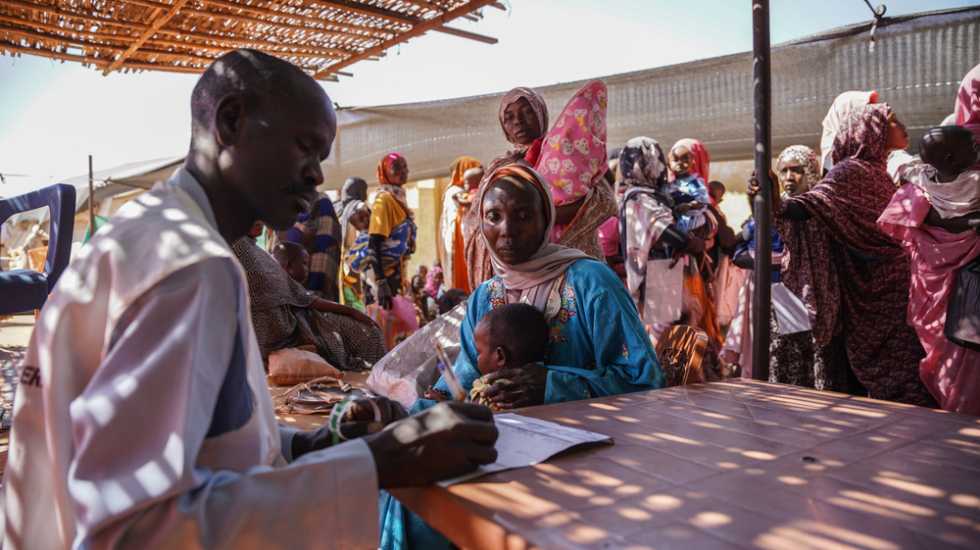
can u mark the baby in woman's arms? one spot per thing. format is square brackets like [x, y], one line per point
[506, 337]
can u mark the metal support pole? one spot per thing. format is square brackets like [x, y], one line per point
[762, 205]
[91, 200]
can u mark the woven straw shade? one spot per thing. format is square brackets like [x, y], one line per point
[321, 36]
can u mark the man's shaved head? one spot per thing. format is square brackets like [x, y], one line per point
[261, 128]
[259, 78]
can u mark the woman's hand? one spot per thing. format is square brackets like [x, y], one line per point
[384, 297]
[327, 306]
[686, 207]
[777, 201]
[363, 318]
[526, 387]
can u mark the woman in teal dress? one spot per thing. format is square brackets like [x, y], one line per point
[598, 344]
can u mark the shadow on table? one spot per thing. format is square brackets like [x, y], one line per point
[745, 465]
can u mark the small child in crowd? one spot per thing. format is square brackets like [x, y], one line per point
[294, 259]
[507, 337]
[688, 189]
[946, 153]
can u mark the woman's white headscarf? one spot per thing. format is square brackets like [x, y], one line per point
[530, 282]
[807, 159]
[842, 105]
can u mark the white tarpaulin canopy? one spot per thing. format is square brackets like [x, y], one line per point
[106, 183]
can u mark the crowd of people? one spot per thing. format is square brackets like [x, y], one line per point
[558, 252]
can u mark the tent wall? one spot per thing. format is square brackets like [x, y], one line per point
[916, 65]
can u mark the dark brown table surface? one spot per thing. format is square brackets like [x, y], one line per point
[735, 464]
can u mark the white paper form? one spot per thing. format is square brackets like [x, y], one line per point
[524, 441]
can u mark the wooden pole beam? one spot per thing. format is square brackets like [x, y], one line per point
[296, 17]
[407, 18]
[417, 30]
[372, 11]
[154, 42]
[98, 61]
[90, 17]
[762, 268]
[467, 34]
[426, 5]
[159, 20]
[91, 200]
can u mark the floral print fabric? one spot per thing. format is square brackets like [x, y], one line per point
[573, 155]
[853, 278]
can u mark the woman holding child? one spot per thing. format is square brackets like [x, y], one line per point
[944, 184]
[598, 346]
[285, 315]
[852, 277]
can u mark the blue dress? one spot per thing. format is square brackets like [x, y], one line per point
[687, 189]
[598, 347]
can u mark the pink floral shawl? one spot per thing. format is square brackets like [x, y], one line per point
[948, 370]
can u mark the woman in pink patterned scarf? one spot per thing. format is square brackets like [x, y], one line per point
[524, 119]
[854, 280]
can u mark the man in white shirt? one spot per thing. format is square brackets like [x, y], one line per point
[142, 419]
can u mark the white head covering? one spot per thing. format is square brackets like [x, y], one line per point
[807, 159]
[530, 282]
[831, 123]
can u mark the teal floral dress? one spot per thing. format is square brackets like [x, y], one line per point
[598, 344]
[598, 347]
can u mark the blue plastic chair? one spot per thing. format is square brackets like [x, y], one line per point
[25, 289]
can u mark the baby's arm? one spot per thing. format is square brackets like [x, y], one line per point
[960, 224]
[436, 395]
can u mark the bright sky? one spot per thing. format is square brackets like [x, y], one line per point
[54, 114]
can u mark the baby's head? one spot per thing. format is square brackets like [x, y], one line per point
[716, 190]
[510, 336]
[681, 161]
[360, 218]
[472, 177]
[294, 259]
[418, 283]
[950, 149]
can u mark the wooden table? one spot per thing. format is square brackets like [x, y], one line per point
[735, 464]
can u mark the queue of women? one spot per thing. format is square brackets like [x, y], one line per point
[870, 249]
[867, 243]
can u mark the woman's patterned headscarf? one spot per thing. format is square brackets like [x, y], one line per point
[537, 103]
[642, 163]
[842, 105]
[808, 160]
[862, 135]
[383, 166]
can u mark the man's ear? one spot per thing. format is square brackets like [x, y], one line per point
[501, 356]
[228, 119]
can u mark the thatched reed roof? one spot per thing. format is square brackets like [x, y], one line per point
[320, 36]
